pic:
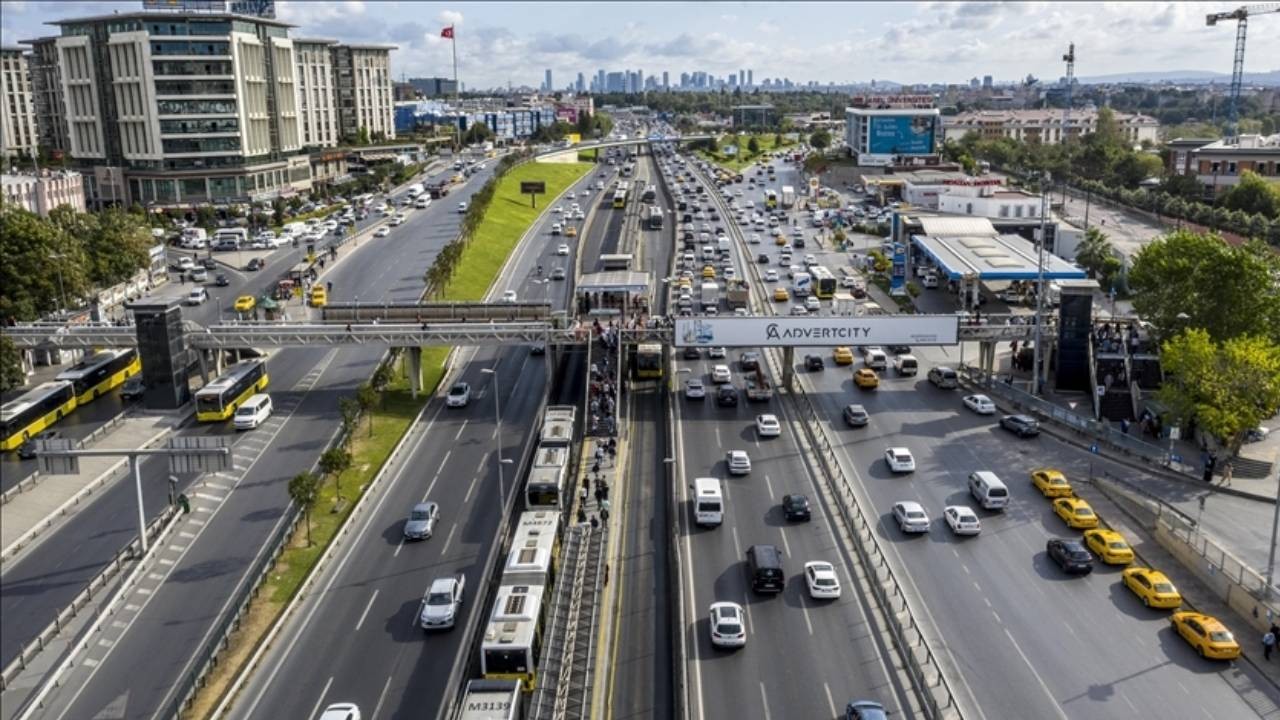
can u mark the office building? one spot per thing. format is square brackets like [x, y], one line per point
[581, 85]
[1218, 165]
[46, 85]
[753, 116]
[19, 136]
[546, 84]
[750, 81]
[40, 193]
[362, 76]
[666, 80]
[1045, 126]
[317, 96]
[434, 87]
[886, 136]
[601, 85]
[987, 82]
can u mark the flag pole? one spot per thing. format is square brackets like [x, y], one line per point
[453, 42]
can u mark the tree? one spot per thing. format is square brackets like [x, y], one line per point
[820, 139]
[1192, 280]
[1228, 387]
[753, 145]
[1186, 187]
[1097, 255]
[367, 399]
[350, 411]
[11, 372]
[335, 461]
[42, 264]
[118, 248]
[303, 489]
[477, 133]
[1254, 195]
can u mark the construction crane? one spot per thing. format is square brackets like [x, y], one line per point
[1241, 15]
[1070, 60]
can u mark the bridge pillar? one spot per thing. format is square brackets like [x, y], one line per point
[788, 367]
[415, 371]
[203, 357]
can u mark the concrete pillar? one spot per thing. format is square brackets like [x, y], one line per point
[788, 367]
[415, 371]
[203, 357]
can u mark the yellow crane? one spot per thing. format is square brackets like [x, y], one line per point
[1241, 15]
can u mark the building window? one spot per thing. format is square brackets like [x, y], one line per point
[1004, 211]
[1017, 211]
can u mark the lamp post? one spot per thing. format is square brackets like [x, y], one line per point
[1040, 289]
[497, 438]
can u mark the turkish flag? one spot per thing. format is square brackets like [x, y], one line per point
[447, 32]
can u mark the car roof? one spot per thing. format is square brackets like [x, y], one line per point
[442, 584]
[910, 505]
[425, 506]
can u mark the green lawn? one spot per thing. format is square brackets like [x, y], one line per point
[744, 157]
[506, 221]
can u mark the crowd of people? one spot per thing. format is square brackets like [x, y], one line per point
[1112, 337]
[603, 395]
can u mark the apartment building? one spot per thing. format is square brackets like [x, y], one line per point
[1046, 126]
[18, 133]
[317, 94]
[1218, 165]
[46, 85]
[362, 78]
[42, 192]
[178, 109]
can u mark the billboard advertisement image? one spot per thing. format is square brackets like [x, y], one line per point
[901, 135]
[811, 331]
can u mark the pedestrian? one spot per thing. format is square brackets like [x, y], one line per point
[582, 514]
[604, 514]
[599, 453]
[582, 496]
[586, 481]
[595, 522]
[1124, 425]
[1268, 644]
[1227, 469]
[599, 494]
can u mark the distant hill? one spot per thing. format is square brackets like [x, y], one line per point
[1184, 76]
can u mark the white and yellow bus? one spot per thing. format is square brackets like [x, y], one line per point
[219, 399]
[35, 410]
[100, 373]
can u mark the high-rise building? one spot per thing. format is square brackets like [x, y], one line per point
[987, 82]
[581, 84]
[616, 82]
[742, 77]
[317, 96]
[46, 85]
[18, 132]
[666, 80]
[363, 80]
[684, 79]
[546, 84]
[601, 84]
[750, 81]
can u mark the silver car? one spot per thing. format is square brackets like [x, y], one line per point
[422, 521]
[441, 604]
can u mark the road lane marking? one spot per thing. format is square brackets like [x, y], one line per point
[695, 648]
[769, 484]
[381, 698]
[470, 489]
[764, 701]
[830, 702]
[445, 550]
[786, 546]
[398, 546]
[461, 427]
[320, 700]
[1043, 685]
[365, 614]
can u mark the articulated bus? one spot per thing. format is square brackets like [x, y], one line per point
[648, 360]
[546, 486]
[620, 196]
[101, 372]
[535, 550]
[29, 414]
[219, 399]
[512, 640]
[824, 282]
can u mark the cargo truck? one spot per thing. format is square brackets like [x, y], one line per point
[788, 196]
[844, 304]
[737, 293]
[758, 387]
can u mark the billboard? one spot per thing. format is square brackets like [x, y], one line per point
[186, 5]
[901, 135]
[809, 331]
[257, 8]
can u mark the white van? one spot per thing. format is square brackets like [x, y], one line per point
[906, 364]
[989, 490]
[876, 359]
[723, 244]
[253, 412]
[708, 252]
[708, 502]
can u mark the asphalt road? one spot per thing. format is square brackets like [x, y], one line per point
[804, 658]
[382, 661]
[1027, 640]
[149, 659]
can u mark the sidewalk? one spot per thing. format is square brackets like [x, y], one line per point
[48, 500]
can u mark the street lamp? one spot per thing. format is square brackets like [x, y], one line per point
[497, 439]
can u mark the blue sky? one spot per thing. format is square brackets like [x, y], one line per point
[501, 43]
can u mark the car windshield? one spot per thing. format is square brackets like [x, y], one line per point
[419, 515]
[914, 514]
[439, 598]
[1164, 587]
[1084, 512]
[901, 457]
[1221, 636]
[1117, 545]
[457, 390]
[1078, 554]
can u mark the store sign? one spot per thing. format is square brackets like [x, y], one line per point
[816, 331]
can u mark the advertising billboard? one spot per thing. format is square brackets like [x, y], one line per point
[901, 135]
[809, 331]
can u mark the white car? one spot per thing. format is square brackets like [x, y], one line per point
[962, 520]
[341, 711]
[197, 296]
[186, 263]
[509, 296]
[720, 374]
[728, 627]
[812, 304]
[911, 517]
[462, 207]
[737, 462]
[716, 352]
[459, 395]
[382, 231]
[556, 229]
[557, 209]
[767, 425]
[755, 239]
[899, 460]
[694, 389]
[822, 581]
[980, 404]
[579, 215]
[562, 250]
[771, 275]
[442, 602]
[730, 273]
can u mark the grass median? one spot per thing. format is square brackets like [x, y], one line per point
[743, 156]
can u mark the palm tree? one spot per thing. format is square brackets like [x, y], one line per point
[303, 490]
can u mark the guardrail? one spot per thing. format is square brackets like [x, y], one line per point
[69, 613]
[33, 478]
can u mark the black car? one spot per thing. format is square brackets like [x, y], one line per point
[727, 396]
[865, 710]
[1024, 426]
[1070, 555]
[814, 363]
[797, 242]
[899, 349]
[796, 507]
[27, 450]
[133, 388]
[255, 264]
[221, 280]
[692, 353]
[749, 360]
[763, 258]
[209, 264]
[682, 205]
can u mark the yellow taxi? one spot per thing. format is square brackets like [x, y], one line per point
[1109, 546]
[245, 303]
[843, 355]
[780, 294]
[319, 297]
[457, 178]
[684, 282]
[779, 239]
[866, 379]
[708, 272]
[1152, 587]
[571, 231]
[1075, 512]
[1206, 634]
[1051, 483]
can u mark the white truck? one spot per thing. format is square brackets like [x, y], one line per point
[788, 196]
[844, 304]
[415, 190]
[710, 296]
[801, 284]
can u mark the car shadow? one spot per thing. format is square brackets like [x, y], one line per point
[1046, 568]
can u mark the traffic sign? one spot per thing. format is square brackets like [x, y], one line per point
[56, 464]
[198, 462]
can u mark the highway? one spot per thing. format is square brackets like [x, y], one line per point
[381, 660]
[156, 651]
[803, 658]
[1027, 640]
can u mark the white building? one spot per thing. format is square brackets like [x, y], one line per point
[18, 132]
[982, 197]
[317, 96]
[41, 193]
[1046, 126]
[365, 98]
[877, 136]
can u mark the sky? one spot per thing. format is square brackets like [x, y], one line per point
[514, 43]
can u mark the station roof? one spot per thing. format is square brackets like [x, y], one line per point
[614, 281]
[991, 256]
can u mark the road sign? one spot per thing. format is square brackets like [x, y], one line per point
[533, 188]
[198, 462]
[56, 464]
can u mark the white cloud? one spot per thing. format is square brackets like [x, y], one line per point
[450, 17]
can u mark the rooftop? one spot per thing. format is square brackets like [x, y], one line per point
[972, 246]
[1043, 116]
[162, 15]
[1244, 145]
